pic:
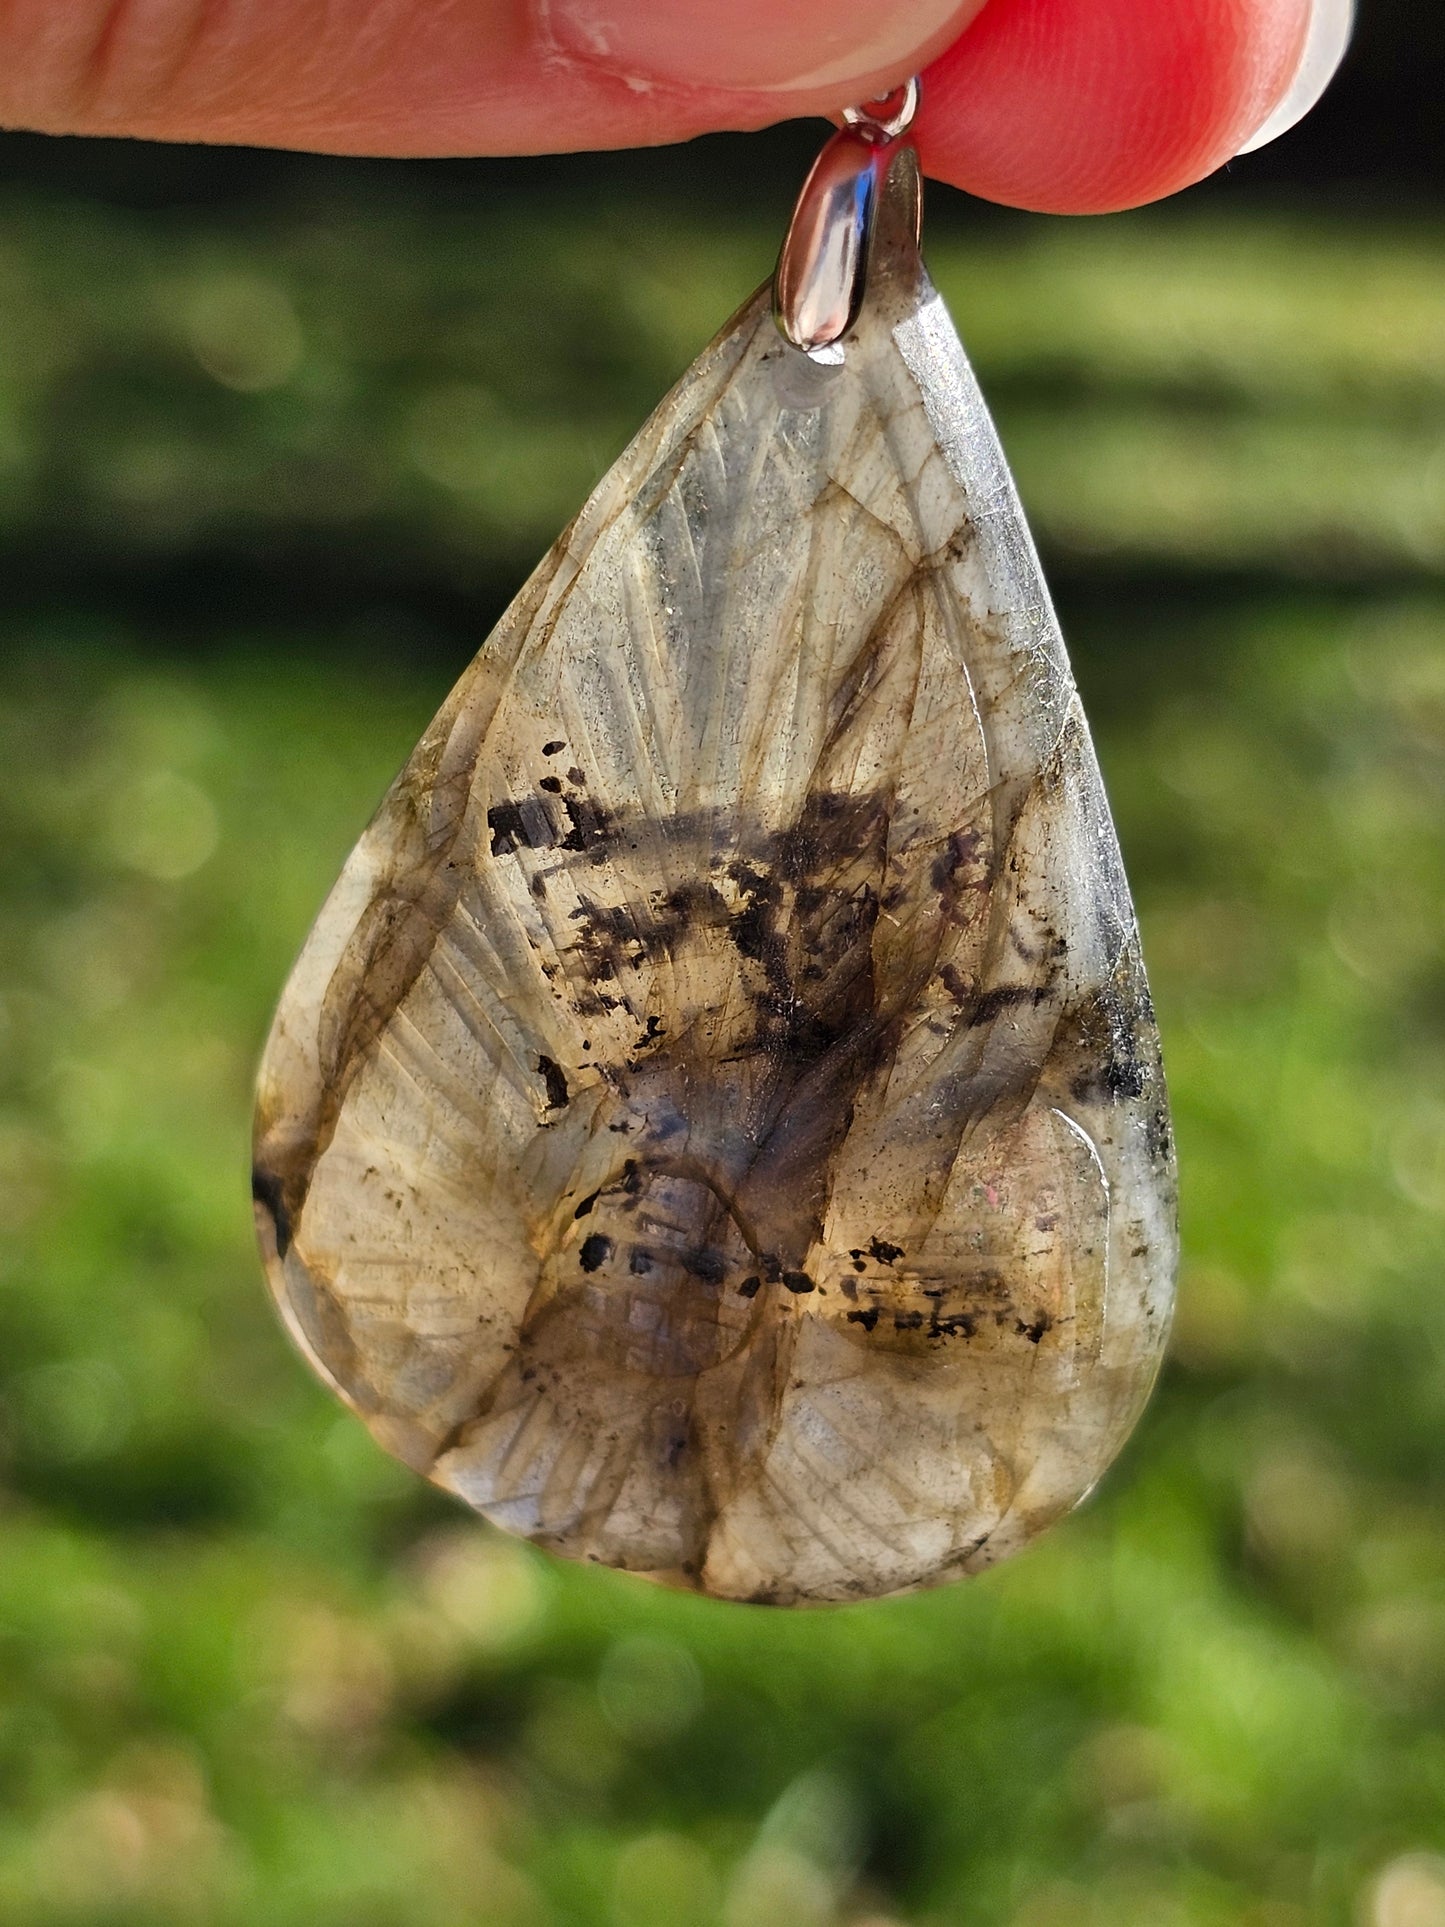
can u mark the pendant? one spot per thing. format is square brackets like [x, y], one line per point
[715, 1126]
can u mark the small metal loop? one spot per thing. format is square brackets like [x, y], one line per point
[822, 270]
[890, 115]
[818, 289]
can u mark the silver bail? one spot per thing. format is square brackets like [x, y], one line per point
[823, 268]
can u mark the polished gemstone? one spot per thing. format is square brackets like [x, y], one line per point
[715, 1126]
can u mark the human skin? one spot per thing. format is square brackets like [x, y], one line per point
[1066, 106]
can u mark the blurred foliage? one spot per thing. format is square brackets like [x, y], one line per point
[436, 395]
[253, 1673]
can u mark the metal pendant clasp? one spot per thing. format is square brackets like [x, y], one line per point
[823, 268]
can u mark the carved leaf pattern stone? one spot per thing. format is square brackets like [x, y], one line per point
[716, 1126]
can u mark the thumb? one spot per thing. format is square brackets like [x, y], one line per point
[460, 77]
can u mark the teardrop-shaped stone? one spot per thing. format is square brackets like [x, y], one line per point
[715, 1126]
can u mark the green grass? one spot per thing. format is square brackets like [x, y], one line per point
[251, 1672]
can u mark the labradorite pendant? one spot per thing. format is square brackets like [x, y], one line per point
[716, 1126]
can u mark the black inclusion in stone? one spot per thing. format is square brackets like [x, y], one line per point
[508, 828]
[266, 1190]
[555, 1080]
[596, 1250]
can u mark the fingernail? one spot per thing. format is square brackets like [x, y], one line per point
[1331, 24]
[749, 48]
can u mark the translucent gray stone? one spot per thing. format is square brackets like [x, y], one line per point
[716, 1126]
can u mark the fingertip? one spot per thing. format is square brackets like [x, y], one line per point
[1327, 41]
[1090, 106]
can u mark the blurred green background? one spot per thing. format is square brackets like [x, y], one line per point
[278, 438]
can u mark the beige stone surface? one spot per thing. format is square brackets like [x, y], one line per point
[715, 1126]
